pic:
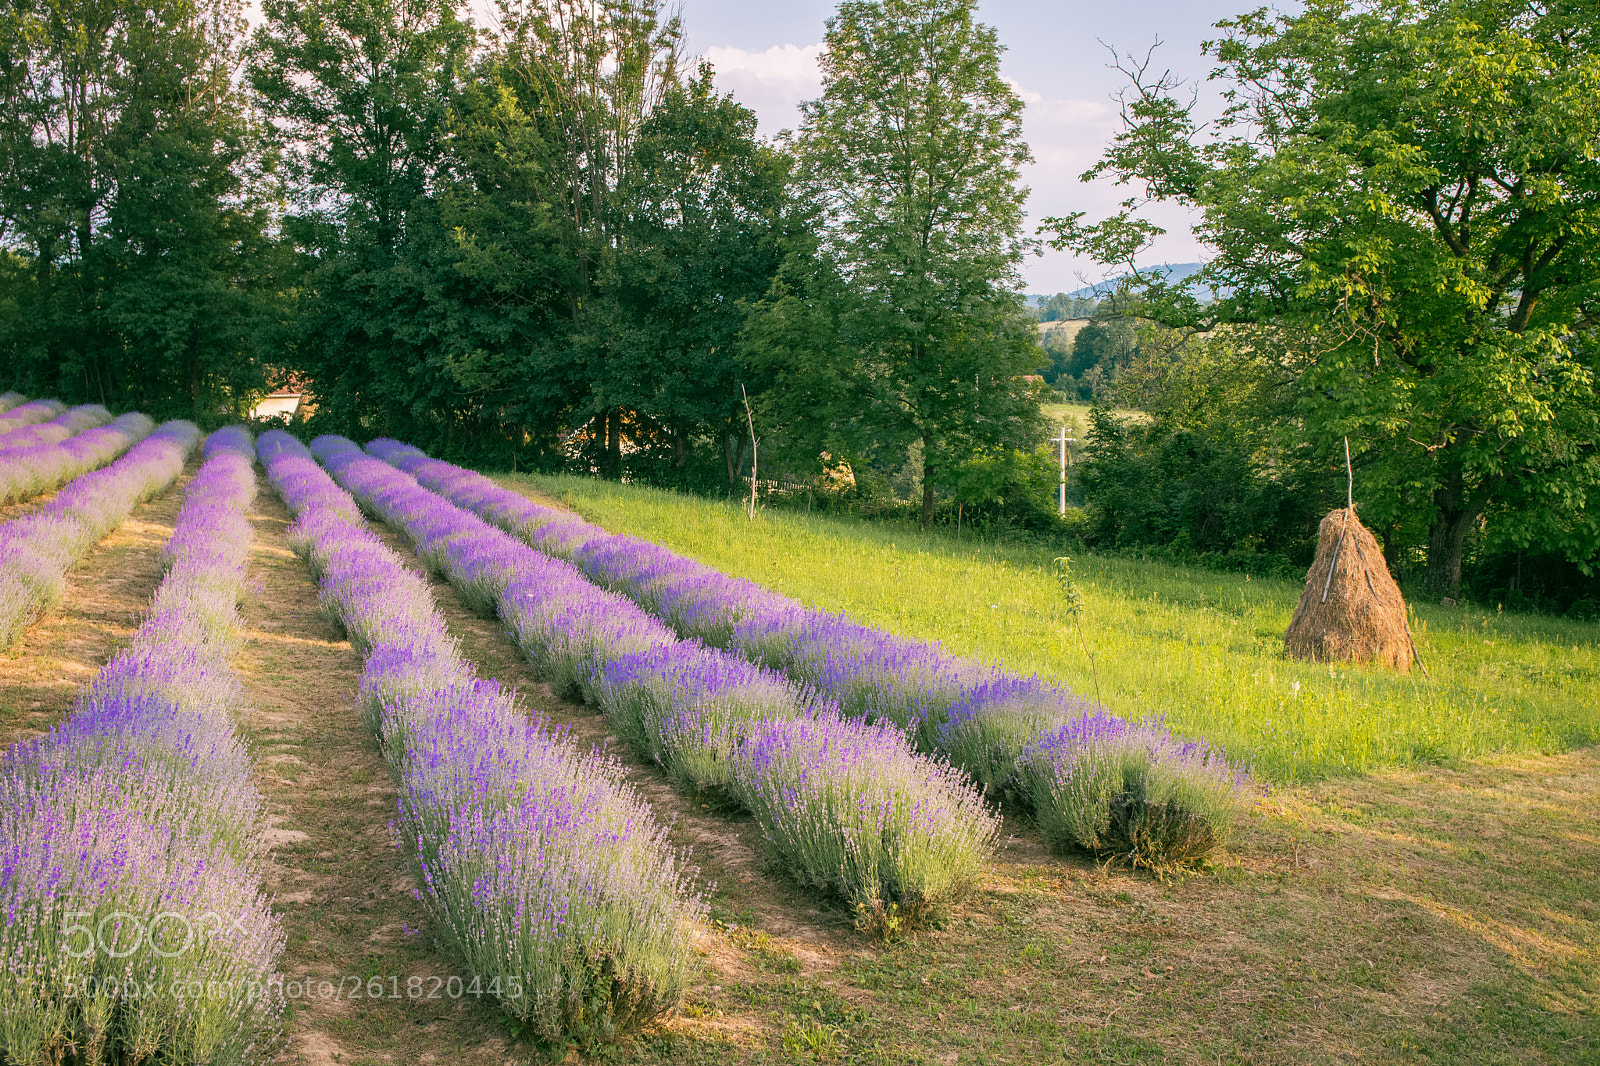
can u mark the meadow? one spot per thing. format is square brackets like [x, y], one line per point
[1075, 416]
[1202, 650]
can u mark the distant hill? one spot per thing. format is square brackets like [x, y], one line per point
[1174, 271]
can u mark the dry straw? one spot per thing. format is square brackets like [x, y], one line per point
[1351, 609]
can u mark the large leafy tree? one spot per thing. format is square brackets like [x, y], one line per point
[699, 240]
[1403, 202]
[359, 96]
[901, 324]
[583, 78]
[138, 271]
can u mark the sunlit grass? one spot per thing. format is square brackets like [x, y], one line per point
[1202, 649]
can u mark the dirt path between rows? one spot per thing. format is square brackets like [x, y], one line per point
[758, 914]
[342, 888]
[105, 600]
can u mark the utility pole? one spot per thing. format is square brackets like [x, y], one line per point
[1063, 440]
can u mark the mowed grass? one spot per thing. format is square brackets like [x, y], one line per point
[1203, 650]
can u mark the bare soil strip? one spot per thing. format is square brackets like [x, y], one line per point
[105, 600]
[366, 982]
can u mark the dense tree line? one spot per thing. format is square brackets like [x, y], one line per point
[1064, 306]
[545, 242]
[549, 242]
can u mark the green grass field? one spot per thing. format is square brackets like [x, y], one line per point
[1075, 416]
[1203, 650]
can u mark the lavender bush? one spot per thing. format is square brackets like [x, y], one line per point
[848, 807]
[697, 710]
[1132, 791]
[974, 713]
[545, 870]
[27, 414]
[37, 549]
[981, 717]
[691, 708]
[67, 424]
[136, 929]
[42, 466]
[8, 400]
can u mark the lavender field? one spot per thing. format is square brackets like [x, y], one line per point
[340, 753]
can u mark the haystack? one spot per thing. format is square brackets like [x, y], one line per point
[1351, 609]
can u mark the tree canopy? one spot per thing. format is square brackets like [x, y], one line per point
[909, 164]
[1401, 199]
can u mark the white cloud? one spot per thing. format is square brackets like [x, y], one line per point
[772, 83]
[789, 63]
[1067, 136]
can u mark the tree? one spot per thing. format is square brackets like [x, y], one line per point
[359, 95]
[1062, 306]
[910, 162]
[699, 240]
[1407, 196]
[131, 206]
[588, 74]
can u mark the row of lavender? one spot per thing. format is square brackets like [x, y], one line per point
[135, 926]
[37, 549]
[547, 873]
[30, 469]
[845, 804]
[1091, 779]
[68, 423]
[17, 411]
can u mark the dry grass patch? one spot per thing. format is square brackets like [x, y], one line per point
[342, 888]
[1443, 915]
[106, 597]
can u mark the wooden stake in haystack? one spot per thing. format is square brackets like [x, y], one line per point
[1351, 609]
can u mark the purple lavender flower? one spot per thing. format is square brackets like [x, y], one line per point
[37, 549]
[699, 711]
[40, 465]
[67, 424]
[981, 717]
[130, 849]
[30, 413]
[849, 808]
[543, 867]
[1131, 790]
[690, 708]
[939, 699]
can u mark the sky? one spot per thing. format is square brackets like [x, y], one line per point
[765, 54]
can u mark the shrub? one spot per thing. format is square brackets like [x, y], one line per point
[690, 709]
[849, 808]
[1131, 791]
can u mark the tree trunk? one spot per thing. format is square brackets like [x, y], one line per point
[1391, 546]
[734, 453]
[614, 443]
[927, 484]
[1448, 537]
